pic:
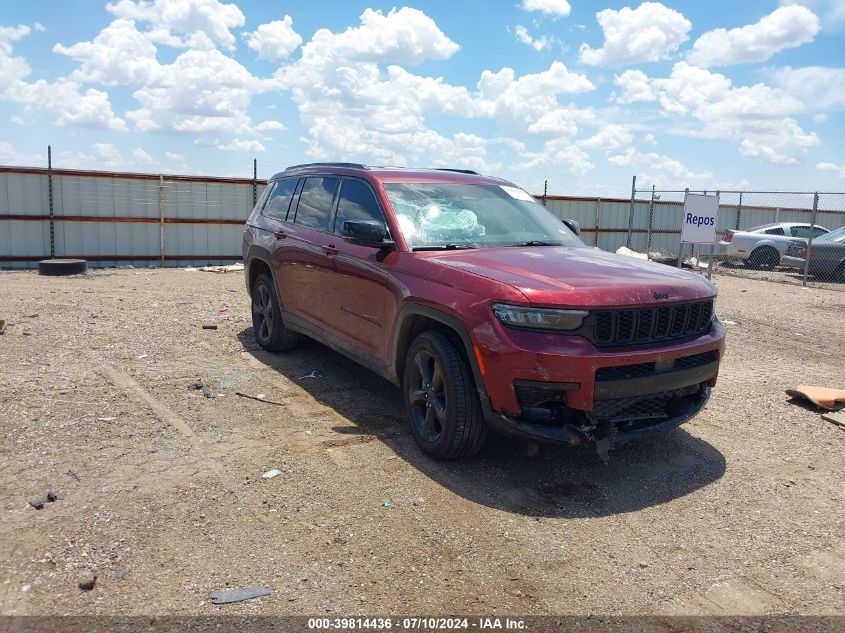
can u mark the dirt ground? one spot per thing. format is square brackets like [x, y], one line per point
[160, 491]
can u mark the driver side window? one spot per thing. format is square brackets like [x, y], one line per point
[357, 202]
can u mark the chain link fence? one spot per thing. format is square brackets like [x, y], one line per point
[789, 237]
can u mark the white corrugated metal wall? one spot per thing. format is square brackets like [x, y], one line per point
[113, 219]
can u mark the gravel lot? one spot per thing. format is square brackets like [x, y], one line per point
[160, 491]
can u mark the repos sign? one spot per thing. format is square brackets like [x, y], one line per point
[701, 213]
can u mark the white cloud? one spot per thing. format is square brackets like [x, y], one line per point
[275, 40]
[200, 92]
[838, 169]
[649, 33]
[786, 27]
[120, 55]
[558, 152]
[142, 156]
[635, 86]
[757, 117]
[832, 12]
[660, 168]
[537, 43]
[202, 24]
[103, 156]
[551, 7]
[270, 126]
[818, 87]
[240, 145]
[609, 138]
[7, 152]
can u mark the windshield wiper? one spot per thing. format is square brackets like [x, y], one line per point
[444, 247]
[536, 243]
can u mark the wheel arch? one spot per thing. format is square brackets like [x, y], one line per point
[258, 261]
[412, 321]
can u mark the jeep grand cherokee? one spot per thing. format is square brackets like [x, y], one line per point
[486, 310]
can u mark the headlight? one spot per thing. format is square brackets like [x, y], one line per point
[539, 318]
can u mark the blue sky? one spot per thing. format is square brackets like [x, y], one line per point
[682, 94]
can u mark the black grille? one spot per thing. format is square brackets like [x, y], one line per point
[625, 372]
[656, 406]
[644, 325]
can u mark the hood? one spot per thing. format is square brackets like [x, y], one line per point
[579, 276]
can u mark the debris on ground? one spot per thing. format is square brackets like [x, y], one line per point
[260, 398]
[88, 583]
[728, 322]
[822, 397]
[837, 417]
[206, 391]
[231, 268]
[313, 374]
[225, 596]
[627, 252]
[2, 326]
[38, 504]
[190, 269]
[73, 474]
[387, 504]
[106, 419]
[270, 474]
[223, 309]
[209, 327]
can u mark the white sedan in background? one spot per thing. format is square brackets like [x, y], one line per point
[763, 246]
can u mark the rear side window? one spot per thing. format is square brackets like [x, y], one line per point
[800, 231]
[315, 203]
[357, 202]
[777, 231]
[818, 231]
[277, 205]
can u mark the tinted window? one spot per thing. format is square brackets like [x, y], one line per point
[777, 231]
[357, 202]
[277, 205]
[818, 231]
[315, 203]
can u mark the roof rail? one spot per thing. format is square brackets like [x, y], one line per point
[460, 171]
[354, 165]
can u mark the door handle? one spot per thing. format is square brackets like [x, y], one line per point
[330, 250]
[280, 235]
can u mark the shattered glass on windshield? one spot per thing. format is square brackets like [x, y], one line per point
[446, 215]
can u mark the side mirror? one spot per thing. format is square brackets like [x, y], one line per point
[573, 226]
[364, 232]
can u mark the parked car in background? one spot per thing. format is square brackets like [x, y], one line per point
[827, 256]
[762, 247]
[485, 309]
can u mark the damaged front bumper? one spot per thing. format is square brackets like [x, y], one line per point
[623, 410]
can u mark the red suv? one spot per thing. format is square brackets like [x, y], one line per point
[484, 308]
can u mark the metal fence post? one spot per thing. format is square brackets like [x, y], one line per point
[631, 214]
[650, 222]
[50, 195]
[254, 181]
[810, 239]
[713, 245]
[161, 221]
[598, 221]
[545, 191]
[681, 236]
[739, 211]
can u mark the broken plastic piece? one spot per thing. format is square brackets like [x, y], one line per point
[824, 397]
[275, 472]
[226, 596]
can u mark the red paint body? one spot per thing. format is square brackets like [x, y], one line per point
[353, 296]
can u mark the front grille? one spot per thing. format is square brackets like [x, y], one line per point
[625, 372]
[654, 407]
[645, 325]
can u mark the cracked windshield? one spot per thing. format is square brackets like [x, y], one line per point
[435, 216]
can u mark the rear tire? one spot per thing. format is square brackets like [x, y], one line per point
[763, 258]
[441, 399]
[267, 322]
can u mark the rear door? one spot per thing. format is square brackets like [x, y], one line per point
[305, 266]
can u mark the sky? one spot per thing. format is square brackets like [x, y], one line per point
[722, 94]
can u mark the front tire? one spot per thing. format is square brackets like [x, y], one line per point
[441, 399]
[267, 323]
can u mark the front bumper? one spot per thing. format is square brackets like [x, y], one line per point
[625, 392]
